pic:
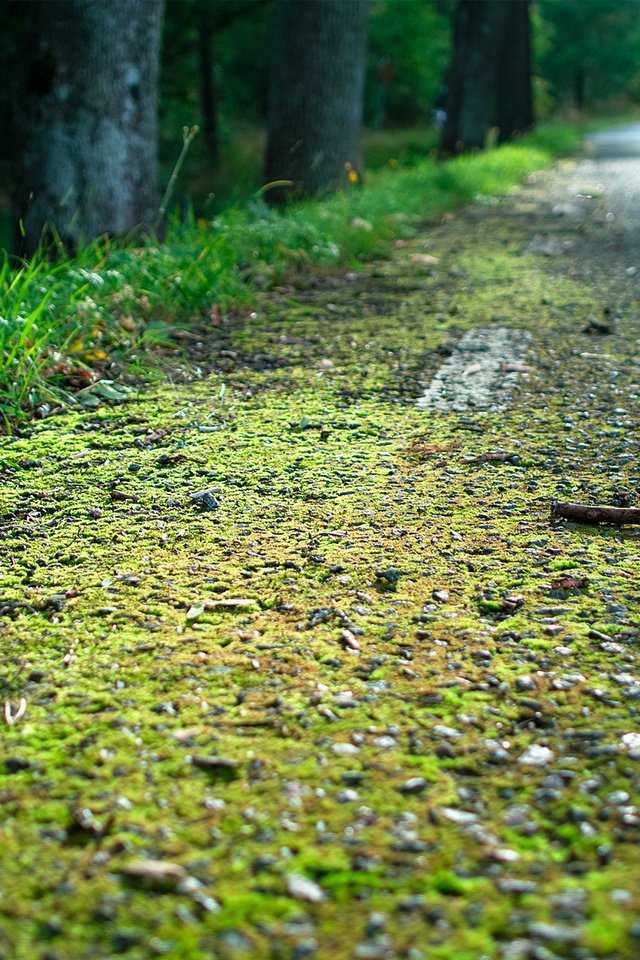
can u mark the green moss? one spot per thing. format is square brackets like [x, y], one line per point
[327, 475]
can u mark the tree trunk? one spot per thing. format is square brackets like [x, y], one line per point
[87, 134]
[208, 92]
[316, 88]
[490, 74]
[515, 95]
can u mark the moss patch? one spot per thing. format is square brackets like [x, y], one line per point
[365, 722]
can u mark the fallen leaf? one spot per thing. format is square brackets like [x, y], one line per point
[516, 367]
[570, 583]
[349, 639]
[195, 611]
[230, 602]
[494, 456]
[424, 258]
[123, 495]
[220, 769]
[158, 873]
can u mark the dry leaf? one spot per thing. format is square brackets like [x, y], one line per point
[570, 583]
[425, 259]
[230, 602]
[160, 873]
[516, 367]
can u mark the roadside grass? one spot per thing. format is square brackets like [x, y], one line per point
[69, 329]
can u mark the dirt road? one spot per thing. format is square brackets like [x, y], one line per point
[308, 669]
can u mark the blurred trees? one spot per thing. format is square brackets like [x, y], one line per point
[409, 49]
[215, 73]
[591, 50]
[86, 120]
[315, 95]
[214, 68]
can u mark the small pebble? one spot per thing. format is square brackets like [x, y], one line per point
[536, 756]
[413, 785]
[345, 749]
[555, 932]
[302, 888]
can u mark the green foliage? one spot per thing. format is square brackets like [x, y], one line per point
[588, 51]
[240, 51]
[409, 47]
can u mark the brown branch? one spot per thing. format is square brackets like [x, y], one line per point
[592, 513]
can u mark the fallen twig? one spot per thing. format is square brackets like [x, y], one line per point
[592, 513]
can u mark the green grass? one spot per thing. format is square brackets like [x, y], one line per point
[68, 326]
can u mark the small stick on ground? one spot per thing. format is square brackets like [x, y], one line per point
[592, 513]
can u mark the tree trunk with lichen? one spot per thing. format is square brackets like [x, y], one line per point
[315, 98]
[87, 129]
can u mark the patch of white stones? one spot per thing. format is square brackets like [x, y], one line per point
[481, 372]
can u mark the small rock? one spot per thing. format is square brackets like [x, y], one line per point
[304, 948]
[345, 749]
[536, 756]
[353, 778]
[302, 888]
[347, 796]
[443, 731]
[160, 874]
[205, 500]
[458, 816]
[375, 949]
[389, 577]
[622, 897]
[412, 903]
[555, 932]
[516, 885]
[375, 924]
[385, 743]
[17, 764]
[413, 785]
[618, 797]
[504, 855]
[350, 640]
[632, 742]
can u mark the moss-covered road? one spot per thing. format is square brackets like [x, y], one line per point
[418, 735]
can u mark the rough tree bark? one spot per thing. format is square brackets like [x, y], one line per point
[595, 513]
[490, 74]
[315, 97]
[208, 91]
[87, 130]
[515, 93]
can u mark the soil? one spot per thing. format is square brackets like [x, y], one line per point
[307, 668]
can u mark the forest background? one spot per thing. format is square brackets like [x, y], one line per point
[215, 67]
